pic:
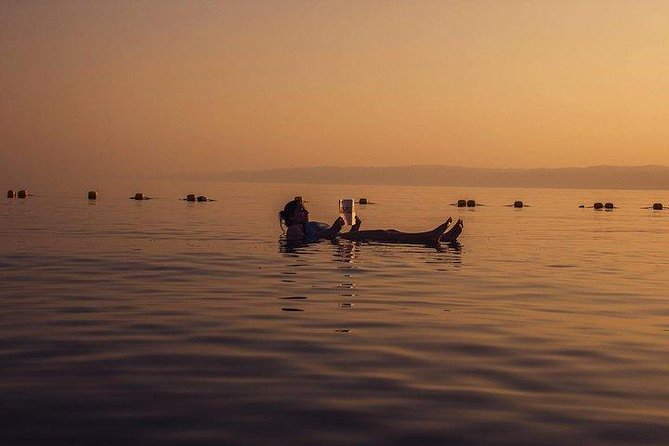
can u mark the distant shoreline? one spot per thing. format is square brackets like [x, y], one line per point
[595, 177]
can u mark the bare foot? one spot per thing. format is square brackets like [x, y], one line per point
[453, 233]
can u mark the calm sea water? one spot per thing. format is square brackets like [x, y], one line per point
[174, 323]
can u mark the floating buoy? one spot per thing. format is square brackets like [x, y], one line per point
[471, 203]
[92, 195]
[518, 204]
[609, 206]
[11, 194]
[657, 206]
[190, 197]
[22, 194]
[139, 196]
[362, 201]
[201, 198]
[461, 203]
[598, 206]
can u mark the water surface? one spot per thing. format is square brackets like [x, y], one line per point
[166, 322]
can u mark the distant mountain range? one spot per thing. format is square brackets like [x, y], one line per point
[595, 177]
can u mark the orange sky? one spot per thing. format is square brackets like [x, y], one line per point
[173, 86]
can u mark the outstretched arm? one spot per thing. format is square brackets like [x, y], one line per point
[357, 224]
[333, 230]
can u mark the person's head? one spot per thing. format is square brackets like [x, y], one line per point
[294, 213]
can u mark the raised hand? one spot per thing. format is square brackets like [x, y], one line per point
[336, 226]
[357, 224]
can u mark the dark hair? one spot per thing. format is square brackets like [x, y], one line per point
[288, 212]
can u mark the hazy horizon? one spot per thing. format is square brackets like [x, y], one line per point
[109, 89]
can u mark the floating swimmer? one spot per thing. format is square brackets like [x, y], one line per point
[300, 229]
[22, 194]
[11, 193]
[140, 196]
[92, 195]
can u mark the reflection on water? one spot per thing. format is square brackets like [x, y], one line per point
[169, 323]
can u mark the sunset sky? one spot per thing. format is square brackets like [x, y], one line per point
[160, 87]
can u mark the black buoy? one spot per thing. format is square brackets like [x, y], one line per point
[609, 206]
[11, 194]
[190, 197]
[462, 203]
[598, 205]
[362, 201]
[92, 195]
[518, 204]
[657, 206]
[471, 203]
[22, 194]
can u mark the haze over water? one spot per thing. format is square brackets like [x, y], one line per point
[108, 88]
[166, 322]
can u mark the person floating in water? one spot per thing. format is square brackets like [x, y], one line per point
[296, 218]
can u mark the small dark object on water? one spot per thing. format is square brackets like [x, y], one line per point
[199, 198]
[298, 198]
[11, 194]
[22, 194]
[291, 309]
[139, 196]
[362, 201]
[467, 203]
[92, 195]
[517, 204]
[609, 206]
[657, 206]
[598, 206]
[581, 206]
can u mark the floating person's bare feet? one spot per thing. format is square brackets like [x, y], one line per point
[394, 236]
[452, 234]
[435, 235]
